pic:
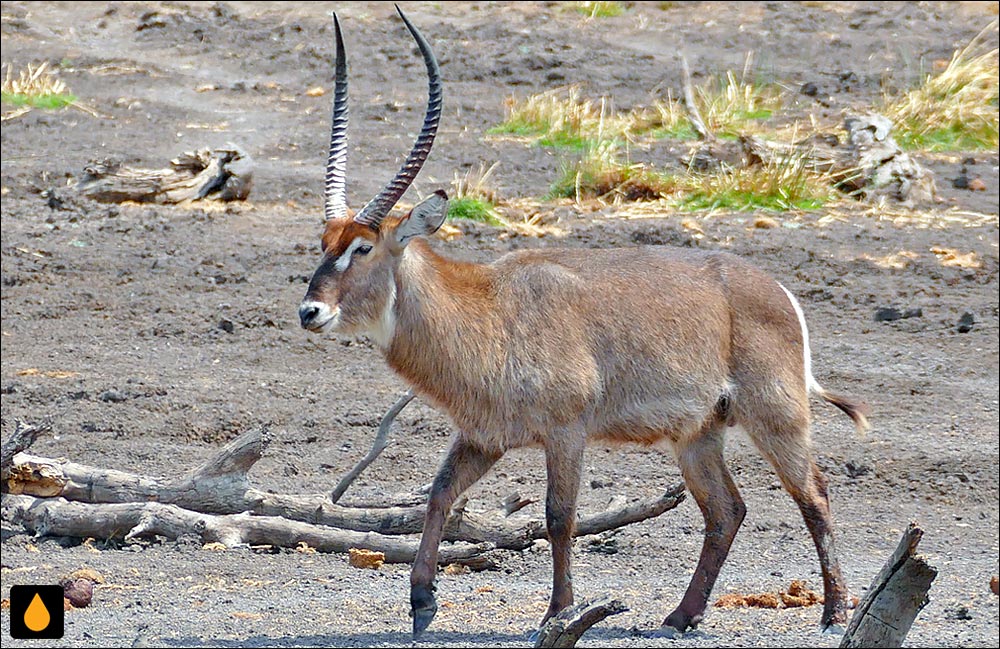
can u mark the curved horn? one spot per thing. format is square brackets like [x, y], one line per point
[376, 209]
[336, 165]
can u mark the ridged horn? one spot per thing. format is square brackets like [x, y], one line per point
[335, 190]
[377, 208]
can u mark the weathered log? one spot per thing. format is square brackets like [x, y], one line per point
[223, 174]
[565, 629]
[868, 164]
[21, 439]
[896, 596]
[130, 521]
[221, 486]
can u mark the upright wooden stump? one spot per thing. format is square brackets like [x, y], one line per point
[898, 593]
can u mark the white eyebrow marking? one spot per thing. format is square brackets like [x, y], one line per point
[344, 260]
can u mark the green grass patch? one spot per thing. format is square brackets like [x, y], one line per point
[600, 9]
[682, 130]
[950, 138]
[783, 185]
[469, 208]
[47, 101]
[748, 200]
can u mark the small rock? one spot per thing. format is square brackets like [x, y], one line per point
[809, 89]
[966, 322]
[958, 613]
[962, 182]
[113, 396]
[856, 469]
[227, 325]
[887, 314]
[601, 483]
[977, 185]
[995, 584]
[79, 592]
[969, 161]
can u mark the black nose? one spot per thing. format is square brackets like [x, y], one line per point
[307, 313]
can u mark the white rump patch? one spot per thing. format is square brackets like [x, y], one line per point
[811, 384]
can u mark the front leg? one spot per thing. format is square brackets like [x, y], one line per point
[563, 462]
[464, 464]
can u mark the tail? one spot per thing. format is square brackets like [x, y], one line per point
[858, 411]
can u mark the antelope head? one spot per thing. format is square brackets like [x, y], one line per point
[354, 289]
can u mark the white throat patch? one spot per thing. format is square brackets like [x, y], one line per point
[385, 328]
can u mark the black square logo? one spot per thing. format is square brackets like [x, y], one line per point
[36, 612]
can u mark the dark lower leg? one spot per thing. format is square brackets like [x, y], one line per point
[713, 489]
[815, 510]
[563, 465]
[462, 467]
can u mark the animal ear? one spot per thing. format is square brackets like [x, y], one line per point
[424, 219]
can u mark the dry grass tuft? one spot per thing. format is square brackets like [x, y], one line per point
[600, 173]
[473, 198]
[956, 109]
[561, 118]
[731, 105]
[34, 87]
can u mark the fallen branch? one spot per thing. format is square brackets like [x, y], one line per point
[221, 486]
[379, 444]
[131, 521]
[224, 174]
[565, 629]
[896, 596]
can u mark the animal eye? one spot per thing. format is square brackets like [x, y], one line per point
[363, 250]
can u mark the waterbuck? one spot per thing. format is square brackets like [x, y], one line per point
[554, 348]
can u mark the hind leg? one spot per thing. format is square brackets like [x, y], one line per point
[707, 479]
[784, 442]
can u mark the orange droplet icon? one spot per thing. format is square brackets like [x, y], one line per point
[36, 616]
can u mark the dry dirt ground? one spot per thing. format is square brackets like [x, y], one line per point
[159, 333]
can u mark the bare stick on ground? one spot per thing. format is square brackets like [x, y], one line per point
[896, 596]
[694, 115]
[565, 629]
[379, 444]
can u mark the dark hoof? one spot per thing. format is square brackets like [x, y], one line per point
[671, 633]
[423, 608]
[832, 629]
[680, 622]
[834, 621]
